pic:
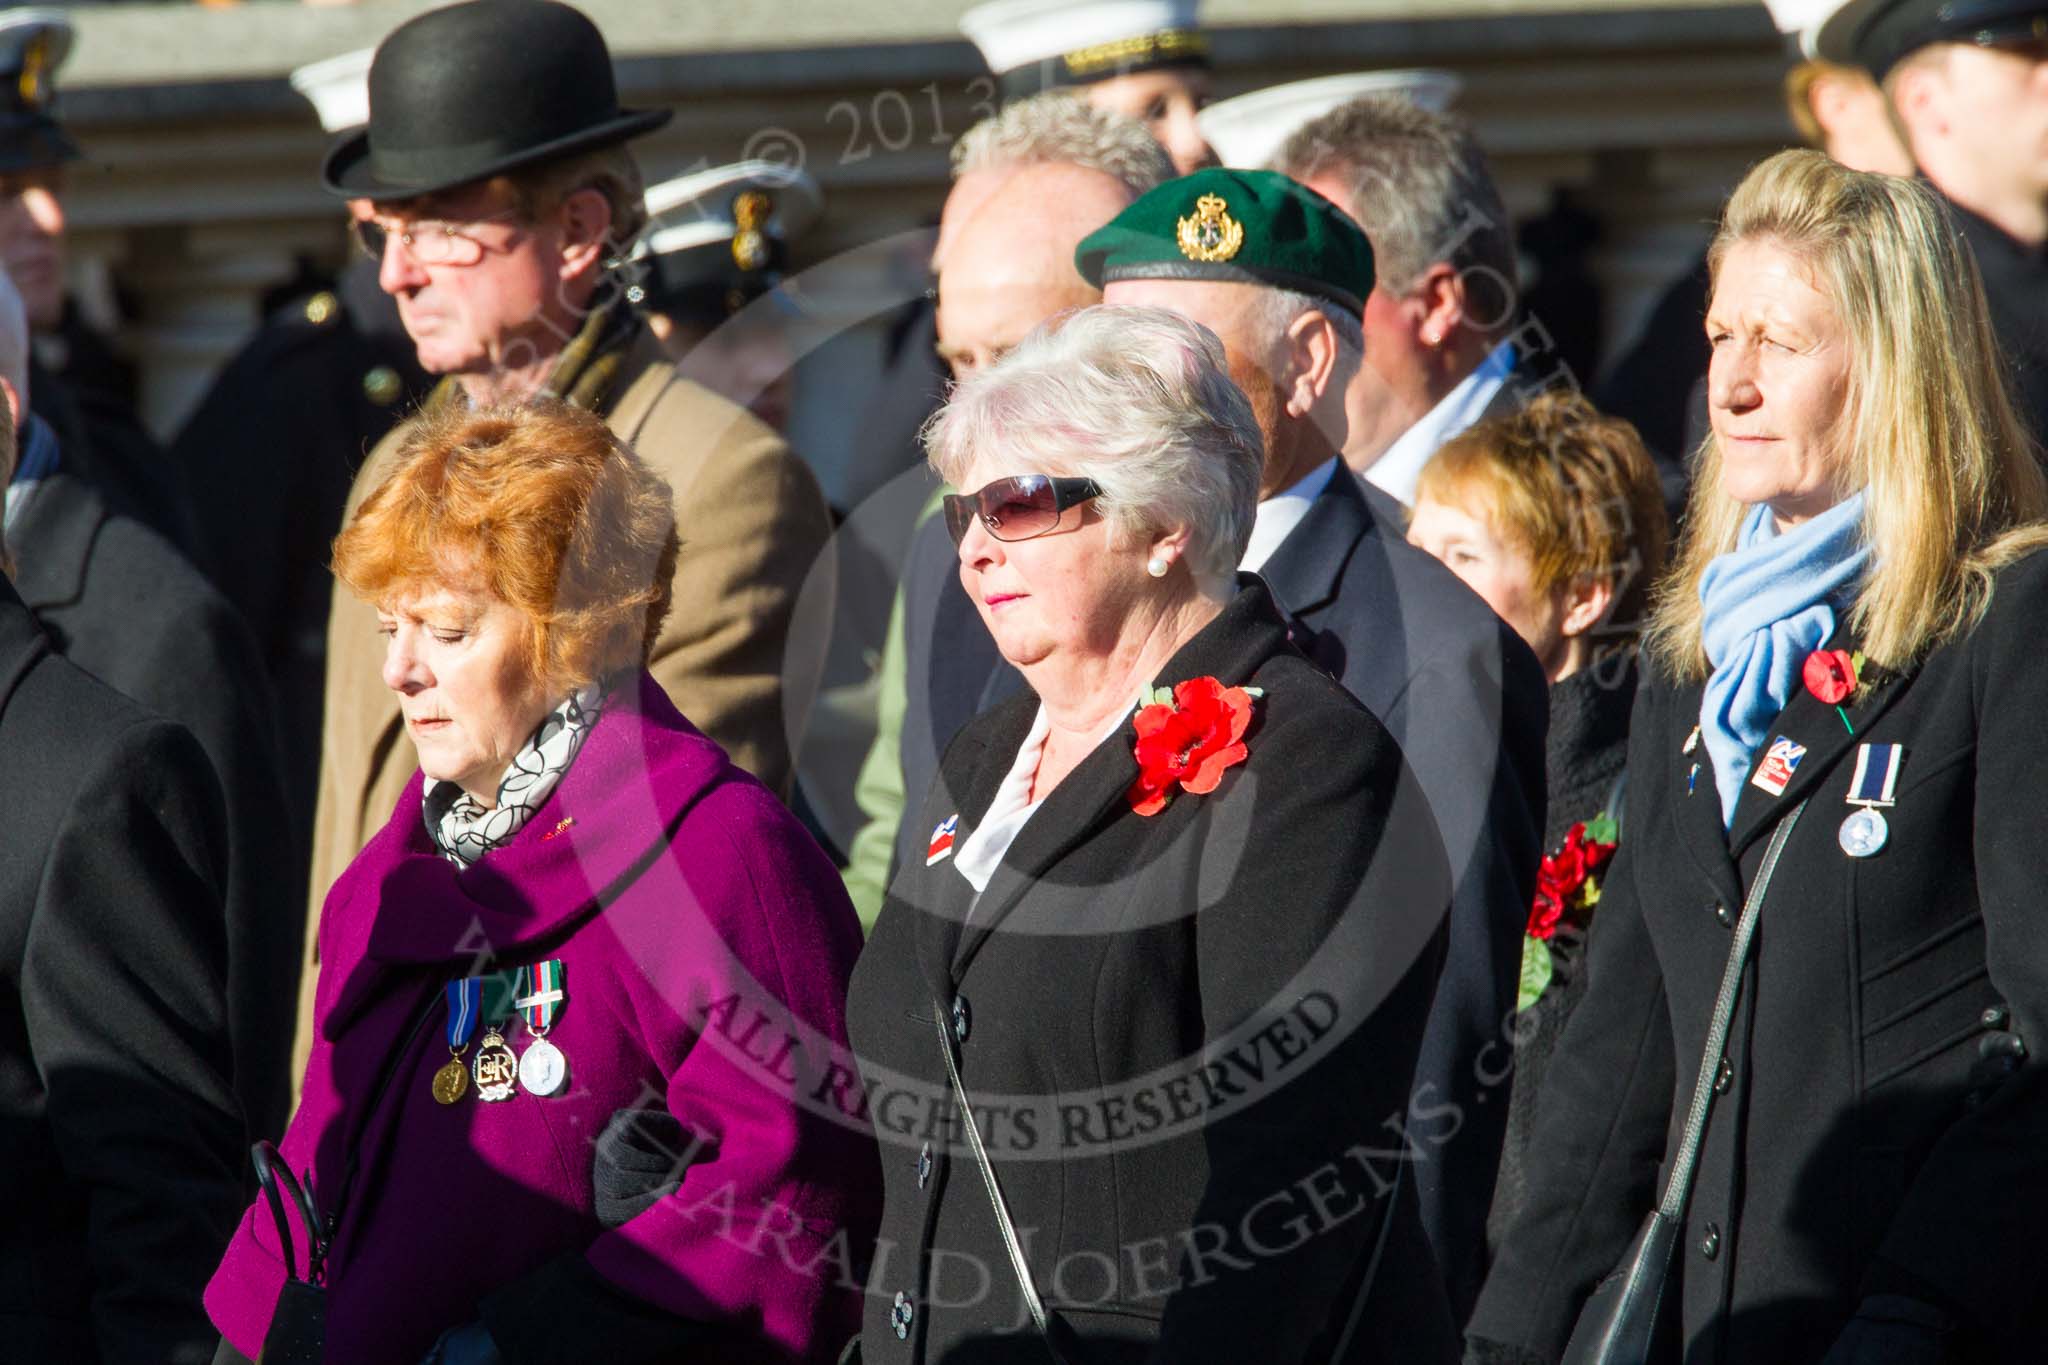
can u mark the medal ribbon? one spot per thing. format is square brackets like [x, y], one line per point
[464, 997]
[1877, 773]
[540, 994]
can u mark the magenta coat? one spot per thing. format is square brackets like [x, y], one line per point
[706, 945]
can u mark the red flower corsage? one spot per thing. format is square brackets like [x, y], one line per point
[1565, 889]
[1830, 674]
[1187, 737]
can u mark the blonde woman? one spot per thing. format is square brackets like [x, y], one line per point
[1851, 633]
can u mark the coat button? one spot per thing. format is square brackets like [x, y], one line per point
[1725, 915]
[924, 1166]
[959, 1018]
[1994, 1017]
[902, 1315]
[1723, 1077]
[1710, 1245]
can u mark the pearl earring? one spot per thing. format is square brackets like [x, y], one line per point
[1157, 566]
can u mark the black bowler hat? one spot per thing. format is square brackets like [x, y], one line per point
[474, 90]
[1877, 34]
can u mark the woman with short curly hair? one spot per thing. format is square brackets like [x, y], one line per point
[551, 1112]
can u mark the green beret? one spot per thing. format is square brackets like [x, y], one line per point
[1244, 227]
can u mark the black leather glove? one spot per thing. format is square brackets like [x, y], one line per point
[469, 1344]
[1891, 1330]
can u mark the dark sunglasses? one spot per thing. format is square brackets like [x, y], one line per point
[1017, 508]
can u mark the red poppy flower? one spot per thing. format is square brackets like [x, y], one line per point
[1190, 742]
[1561, 879]
[1545, 913]
[1830, 674]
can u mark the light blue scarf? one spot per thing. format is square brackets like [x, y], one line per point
[1770, 602]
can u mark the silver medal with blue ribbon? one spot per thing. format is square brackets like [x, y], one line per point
[1865, 830]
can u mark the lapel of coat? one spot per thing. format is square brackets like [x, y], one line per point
[22, 643]
[1696, 809]
[1808, 721]
[1231, 648]
[1308, 568]
[975, 766]
[54, 537]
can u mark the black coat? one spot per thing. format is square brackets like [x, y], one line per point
[105, 442]
[269, 456]
[119, 1136]
[1299, 899]
[2016, 287]
[1466, 701]
[123, 605]
[1845, 1156]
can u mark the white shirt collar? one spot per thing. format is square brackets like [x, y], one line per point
[1398, 469]
[979, 854]
[1278, 515]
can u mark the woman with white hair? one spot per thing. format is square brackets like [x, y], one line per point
[1819, 963]
[1177, 923]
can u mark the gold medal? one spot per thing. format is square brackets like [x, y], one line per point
[496, 1069]
[451, 1081]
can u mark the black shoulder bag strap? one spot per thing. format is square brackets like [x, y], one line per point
[1620, 1324]
[1032, 1302]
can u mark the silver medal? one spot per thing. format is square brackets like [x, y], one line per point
[1864, 832]
[543, 1068]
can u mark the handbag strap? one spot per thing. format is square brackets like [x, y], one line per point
[1678, 1188]
[1011, 1244]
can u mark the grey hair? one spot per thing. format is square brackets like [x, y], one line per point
[1060, 128]
[1277, 310]
[1139, 400]
[1418, 184]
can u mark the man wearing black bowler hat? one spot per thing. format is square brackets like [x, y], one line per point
[494, 187]
[1968, 81]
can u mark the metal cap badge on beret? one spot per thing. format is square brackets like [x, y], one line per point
[33, 44]
[1877, 34]
[473, 90]
[1241, 227]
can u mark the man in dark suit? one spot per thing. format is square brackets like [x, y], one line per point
[77, 386]
[1969, 85]
[1444, 343]
[1028, 184]
[120, 602]
[1282, 278]
[119, 1132]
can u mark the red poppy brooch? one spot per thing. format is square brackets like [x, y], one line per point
[1832, 676]
[1566, 891]
[1187, 737]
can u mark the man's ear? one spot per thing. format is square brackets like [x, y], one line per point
[17, 410]
[586, 219]
[1312, 354]
[1914, 91]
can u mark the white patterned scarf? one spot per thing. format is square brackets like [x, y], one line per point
[463, 829]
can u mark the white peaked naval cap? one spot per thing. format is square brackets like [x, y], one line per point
[1013, 34]
[1247, 131]
[339, 88]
